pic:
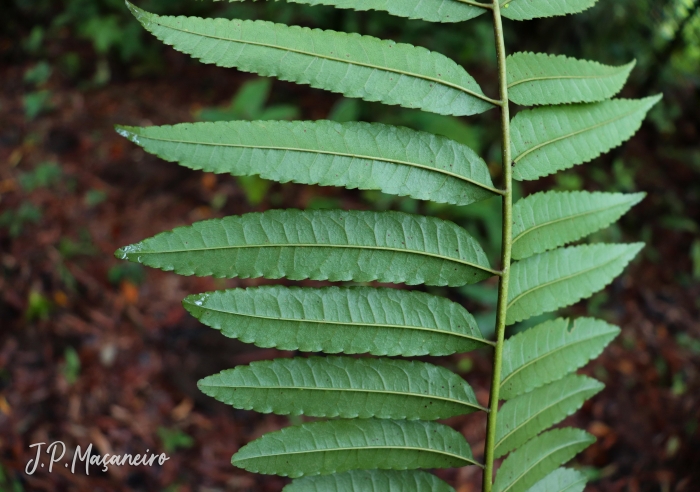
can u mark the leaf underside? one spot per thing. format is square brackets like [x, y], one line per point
[394, 160]
[522, 418]
[344, 387]
[386, 432]
[561, 480]
[559, 278]
[539, 78]
[550, 351]
[320, 245]
[371, 481]
[550, 139]
[428, 10]
[350, 64]
[334, 446]
[340, 320]
[532, 9]
[547, 220]
[539, 457]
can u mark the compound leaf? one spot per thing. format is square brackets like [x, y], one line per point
[427, 10]
[394, 160]
[320, 245]
[561, 480]
[321, 448]
[371, 481]
[340, 319]
[533, 9]
[344, 387]
[559, 278]
[550, 139]
[539, 78]
[522, 418]
[550, 351]
[350, 64]
[545, 221]
[539, 457]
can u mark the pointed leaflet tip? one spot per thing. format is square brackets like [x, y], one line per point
[654, 99]
[636, 198]
[141, 15]
[634, 249]
[126, 252]
[128, 132]
[651, 101]
[195, 300]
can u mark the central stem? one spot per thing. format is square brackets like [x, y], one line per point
[505, 250]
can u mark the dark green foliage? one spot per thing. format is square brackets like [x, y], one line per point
[349, 320]
[335, 446]
[344, 387]
[386, 406]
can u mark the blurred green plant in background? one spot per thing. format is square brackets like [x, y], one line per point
[174, 439]
[249, 104]
[71, 365]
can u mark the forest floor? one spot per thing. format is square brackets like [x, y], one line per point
[95, 351]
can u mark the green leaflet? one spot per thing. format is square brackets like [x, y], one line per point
[344, 387]
[532, 9]
[550, 139]
[320, 245]
[559, 278]
[371, 481]
[538, 78]
[392, 159]
[333, 319]
[545, 221]
[428, 10]
[550, 351]
[522, 418]
[335, 446]
[539, 457]
[350, 64]
[561, 480]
